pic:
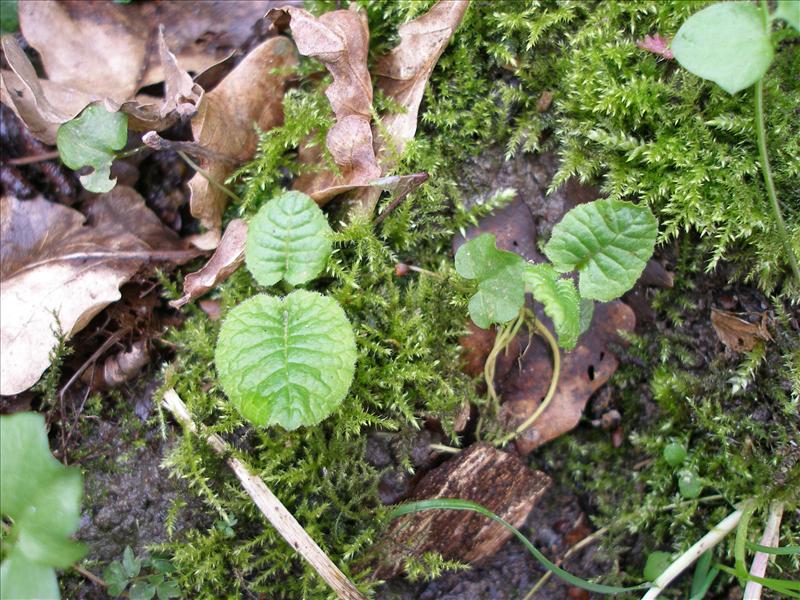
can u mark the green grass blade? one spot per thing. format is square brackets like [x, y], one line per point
[780, 550]
[455, 504]
[782, 586]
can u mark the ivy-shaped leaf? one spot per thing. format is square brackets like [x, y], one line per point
[92, 139]
[501, 282]
[42, 498]
[727, 43]
[560, 299]
[789, 11]
[287, 360]
[608, 241]
[288, 239]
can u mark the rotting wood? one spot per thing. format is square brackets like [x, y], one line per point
[270, 506]
[495, 479]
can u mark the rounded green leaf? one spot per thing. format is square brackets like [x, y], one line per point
[24, 579]
[609, 243]
[727, 43]
[500, 275]
[92, 139]
[657, 563]
[689, 484]
[288, 239]
[286, 361]
[674, 453]
[560, 299]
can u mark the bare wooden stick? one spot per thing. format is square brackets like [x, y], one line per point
[269, 505]
[770, 537]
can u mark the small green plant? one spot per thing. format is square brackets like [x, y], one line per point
[128, 574]
[731, 44]
[287, 360]
[93, 139]
[41, 498]
[607, 241]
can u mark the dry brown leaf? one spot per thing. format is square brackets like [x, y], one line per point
[403, 73]
[250, 96]
[738, 334]
[57, 272]
[228, 257]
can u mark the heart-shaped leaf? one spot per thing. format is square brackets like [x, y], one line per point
[92, 139]
[42, 498]
[608, 241]
[727, 43]
[501, 282]
[288, 239]
[560, 299]
[287, 360]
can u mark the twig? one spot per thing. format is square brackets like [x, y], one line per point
[770, 537]
[269, 505]
[418, 179]
[152, 140]
[207, 176]
[89, 575]
[708, 541]
[29, 160]
[444, 448]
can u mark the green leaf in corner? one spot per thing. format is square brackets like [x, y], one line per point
[560, 299]
[288, 239]
[501, 280]
[286, 361]
[42, 498]
[726, 43]
[92, 139]
[608, 241]
[9, 16]
[789, 11]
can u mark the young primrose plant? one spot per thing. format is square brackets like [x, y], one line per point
[287, 360]
[731, 44]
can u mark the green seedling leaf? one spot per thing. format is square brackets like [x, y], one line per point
[608, 241]
[288, 239]
[501, 280]
[130, 563]
[92, 139]
[726, 43]
[168, 589]
[114, 576]
[789, 11]
[142, 590]
[587, 313]
[9, 16]
[689, 484]
[674, 453]
[657, 563]
[286, 361]
[42, 499]
[560, 299]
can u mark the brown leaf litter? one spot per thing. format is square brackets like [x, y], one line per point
[736, 333]
[57, 272]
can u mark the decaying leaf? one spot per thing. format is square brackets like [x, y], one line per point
[228, 257]
[495, 479]
[656, 44]
[340, 39]
[738, 334]
[250, 96]
[56, 272]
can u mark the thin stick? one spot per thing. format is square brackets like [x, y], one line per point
[89, 575]
[770, 537]
[708, 541]
[269, 505]
[29, 160]
[214, 183]
[156, 142]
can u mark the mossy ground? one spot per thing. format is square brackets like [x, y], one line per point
[642, 129]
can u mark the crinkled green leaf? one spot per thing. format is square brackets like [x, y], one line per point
[288, 239]
[609, 243]
[24, 579]
[92, 140]
[501, 280]
[142, 590]
[587, 313]
[168, 589]
[789, 11]
[42, 498]
[727, 43]
[287, 360]
[560, 299]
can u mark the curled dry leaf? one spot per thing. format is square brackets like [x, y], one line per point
[738, 334]
[657, 45]
[228, 257]
[340, 41]
[56, 272]
[250, 96]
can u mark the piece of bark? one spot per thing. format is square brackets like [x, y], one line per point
[497, 480]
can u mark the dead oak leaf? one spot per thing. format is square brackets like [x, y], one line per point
[250, 97]
[738, 334]
[57, 273]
